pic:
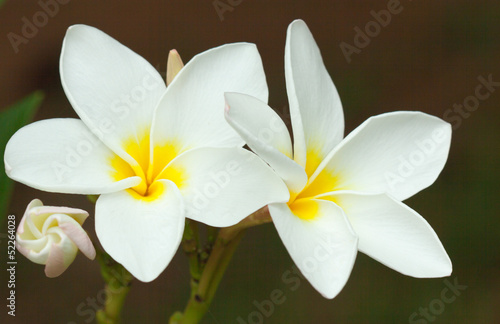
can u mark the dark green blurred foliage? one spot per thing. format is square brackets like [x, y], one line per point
[11, 119]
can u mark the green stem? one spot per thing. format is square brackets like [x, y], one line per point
[211, 236]
[117, 285]
[223, 263]
[223, 249]
[191, 246]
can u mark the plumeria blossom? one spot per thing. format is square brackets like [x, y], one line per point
[345, 193]
[155, 155]
[52, 236]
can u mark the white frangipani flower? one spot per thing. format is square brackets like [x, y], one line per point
[154, 154]
[345, 194]
[52, 236]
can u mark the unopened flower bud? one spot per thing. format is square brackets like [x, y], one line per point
[174, 65]
[52, 236]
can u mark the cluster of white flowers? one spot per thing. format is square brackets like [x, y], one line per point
[156, 155]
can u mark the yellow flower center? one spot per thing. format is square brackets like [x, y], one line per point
[302, 204]
[150, 171]
[304, 208]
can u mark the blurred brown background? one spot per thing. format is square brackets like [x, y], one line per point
[428, 58]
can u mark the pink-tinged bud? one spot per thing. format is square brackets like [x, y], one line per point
[174, 65]
[52, 236]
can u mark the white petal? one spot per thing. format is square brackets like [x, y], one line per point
[221, 186]
[62, 155]
[397, 153]
[192, 110]
[36, 250]
[79, 237]
[259, 120]
[26, 232]
[395, 235]
[315, 107]
[61, 255]
[112, 89]
[323, 248]
[76, 214]
[267, 135]
[33, 204]
[141, 234]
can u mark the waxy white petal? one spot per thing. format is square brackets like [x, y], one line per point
[62, 155]
[398, 153]
[222, 186]
[61, 254]
[42, 212]
[31, 232]
[267, 135]
[395, 235]
[191, 112]
[35, 250]
[323, 248]
[113, 90]
[80, 238]
[315, 107]
[141, 234]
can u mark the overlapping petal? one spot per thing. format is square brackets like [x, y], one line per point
[141, 233]
[131, 127]
[113, 90]
[388, 158]
[398, 153]
[191, 112]
[52, 236]
[267, 135]
[394, 234]
[60, 254]
[227, 186]
[315, 107]
[62, 155]
[79, 238]
[323, 248]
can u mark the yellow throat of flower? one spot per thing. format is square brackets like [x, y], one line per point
[149, 170]
[302, 204]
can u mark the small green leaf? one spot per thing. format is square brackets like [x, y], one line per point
[2, 2]
[11, 119]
